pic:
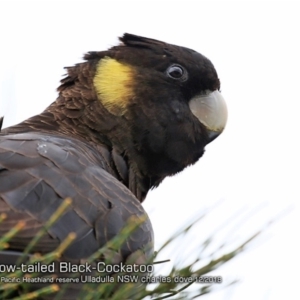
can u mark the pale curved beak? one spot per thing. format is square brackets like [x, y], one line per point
[211, 111]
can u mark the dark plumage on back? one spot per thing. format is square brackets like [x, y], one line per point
[124, 120]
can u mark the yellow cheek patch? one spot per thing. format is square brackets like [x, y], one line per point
[114, 84]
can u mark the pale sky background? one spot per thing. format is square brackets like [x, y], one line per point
[252, 169]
